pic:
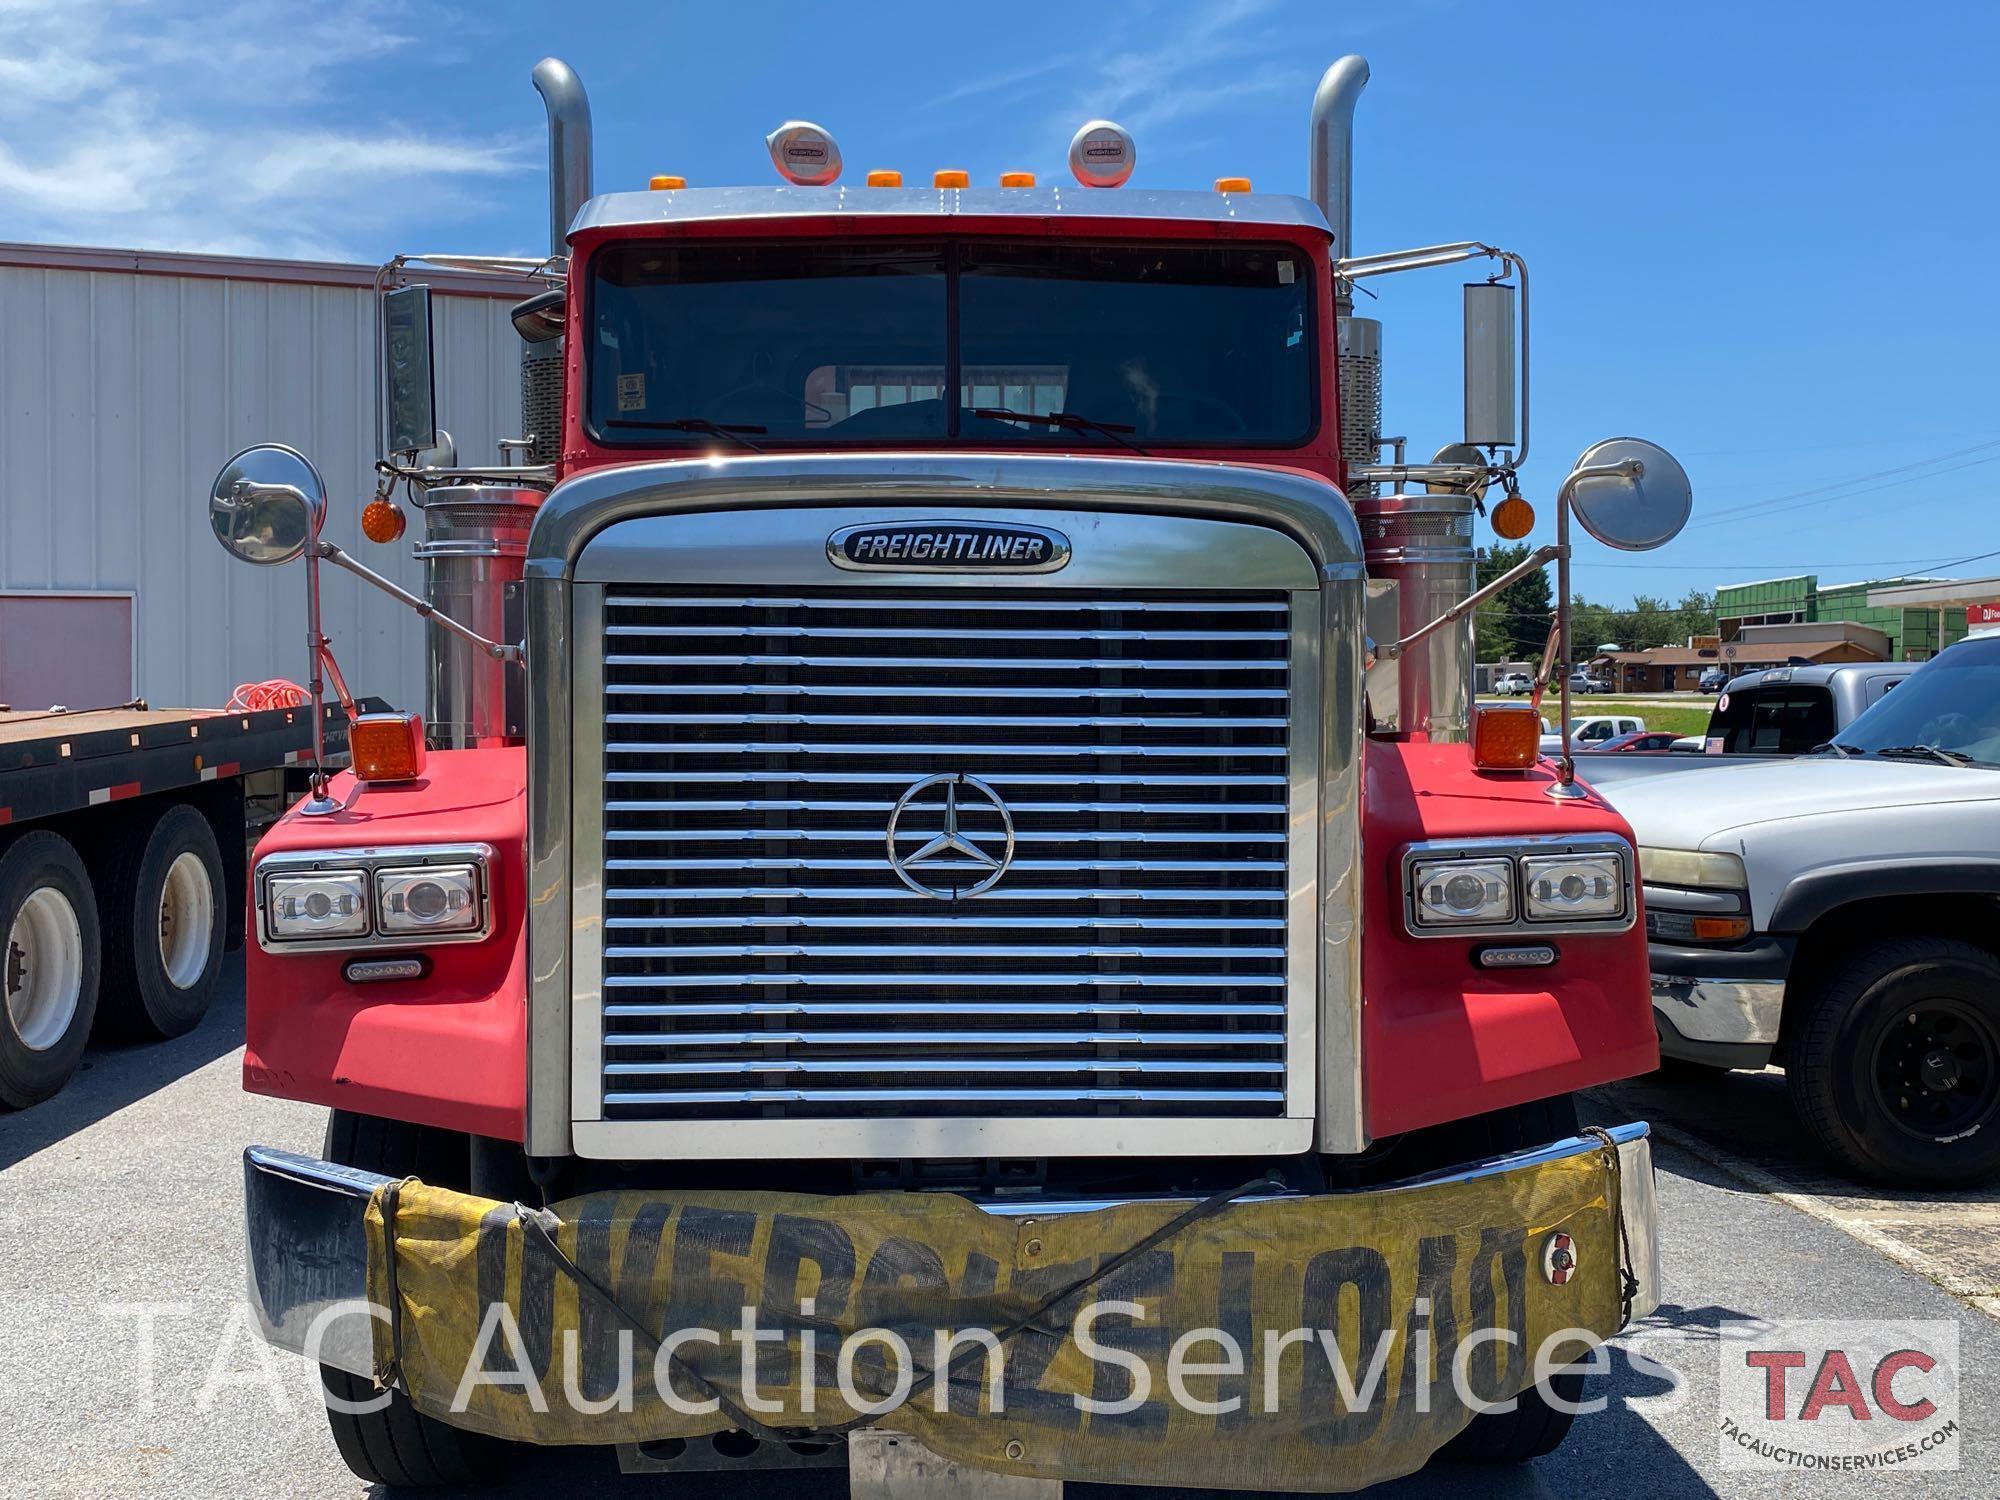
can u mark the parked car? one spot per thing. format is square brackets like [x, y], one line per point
[1714, 680]
[1591, 731]
[1834, 913]
[1639, 742]
[1583, 682]
[1779, 711]
[1514, 684]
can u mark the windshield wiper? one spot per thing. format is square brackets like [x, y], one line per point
[1069, 421]
[1845, 752]
[1923, 752]
[732, 430]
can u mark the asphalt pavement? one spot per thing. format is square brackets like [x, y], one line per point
[127, 1366]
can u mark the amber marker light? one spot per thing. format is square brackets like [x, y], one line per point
[666, 182]
[382, 520]
[1721, 929]
[885, 177]
[1232, 184]
[1017, 179]
[387, 747]
[1506, 738]
[951, 177]
[1513, 518]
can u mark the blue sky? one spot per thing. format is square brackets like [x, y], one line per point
[1759, 232]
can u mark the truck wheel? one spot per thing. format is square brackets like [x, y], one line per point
[48, 966]
[1895, 1067]
[165, 906]
[398, 1445]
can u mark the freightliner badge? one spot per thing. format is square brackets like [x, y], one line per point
[949, 547]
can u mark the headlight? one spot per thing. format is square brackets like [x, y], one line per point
[351, 900]
[437, 898]
[1686, 867]
[1574, 887]
[1464, 892]
[325, 905]
[1527, 885]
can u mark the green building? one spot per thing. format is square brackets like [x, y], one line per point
[1914, 633]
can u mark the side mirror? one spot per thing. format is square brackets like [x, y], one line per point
[267, 505]
[411, 406]
[540, 318]
[1630, 494]
[1491, 415]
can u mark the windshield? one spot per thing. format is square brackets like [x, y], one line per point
[1950, 703]
[815, 344]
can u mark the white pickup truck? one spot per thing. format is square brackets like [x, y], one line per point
[1839, 915]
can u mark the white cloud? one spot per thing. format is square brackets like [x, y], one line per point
[213, 127]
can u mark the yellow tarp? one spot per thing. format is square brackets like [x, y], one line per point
[1425, 1267]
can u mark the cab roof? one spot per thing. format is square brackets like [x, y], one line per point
[753, 204]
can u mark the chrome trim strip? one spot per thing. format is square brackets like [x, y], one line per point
[308, 1255]
[1342, 1102]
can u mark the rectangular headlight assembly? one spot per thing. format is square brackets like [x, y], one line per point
[1546, 886]
[356, 899]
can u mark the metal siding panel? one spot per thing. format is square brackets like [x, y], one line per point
[145, 384]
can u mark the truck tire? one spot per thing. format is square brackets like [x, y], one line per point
[1895, 1063]
[49, 962]
[1534, 1427]
[166, 923]
[397, 1445]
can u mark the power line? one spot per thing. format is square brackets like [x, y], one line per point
[1777, 504]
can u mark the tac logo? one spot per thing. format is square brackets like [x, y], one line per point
[1839, 1396]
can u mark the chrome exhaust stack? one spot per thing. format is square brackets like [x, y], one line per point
[569, 146]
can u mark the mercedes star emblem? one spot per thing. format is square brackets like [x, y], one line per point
[967, 833]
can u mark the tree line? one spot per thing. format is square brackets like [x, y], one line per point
[1514, 624]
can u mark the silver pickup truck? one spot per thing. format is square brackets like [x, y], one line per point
[1775, 712]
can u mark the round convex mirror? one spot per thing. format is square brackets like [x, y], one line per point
[267, 504]
[1636, 512]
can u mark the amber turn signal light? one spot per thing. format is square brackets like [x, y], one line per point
[1721, 929]
[1506, 738]
[387, 747]
[1513, 518]
[382, 520]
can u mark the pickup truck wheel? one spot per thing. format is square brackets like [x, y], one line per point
[49, 959]
[398, 1445]
[1896, 1065]
[168, 921]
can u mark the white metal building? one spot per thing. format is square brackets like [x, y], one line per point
[126, 379]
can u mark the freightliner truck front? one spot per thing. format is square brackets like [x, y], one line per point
[951, 912]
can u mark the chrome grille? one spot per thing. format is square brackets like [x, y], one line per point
[761, 957]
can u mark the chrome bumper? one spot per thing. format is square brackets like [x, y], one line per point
[1729, 1012]
[308, 1255]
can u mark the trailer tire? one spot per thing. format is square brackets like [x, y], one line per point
[49, 964]
[166, 908]
[397, 1445]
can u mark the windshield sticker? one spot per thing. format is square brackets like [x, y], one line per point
[631, 392]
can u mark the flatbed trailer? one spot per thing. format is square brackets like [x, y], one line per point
[122, 850]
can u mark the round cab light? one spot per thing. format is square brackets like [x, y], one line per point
[1232, 184]
[1102, 154]
[951, 177]
[1513, 518]
[803, 153]
[666, 182]
[1017, 179]
[382, 520]
[885, 177]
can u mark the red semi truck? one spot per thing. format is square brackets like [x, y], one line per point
[949, 789]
